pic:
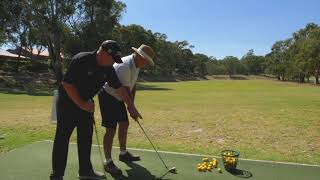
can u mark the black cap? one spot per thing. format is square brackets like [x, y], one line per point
[112, 48]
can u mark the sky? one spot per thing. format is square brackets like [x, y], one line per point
[222, 28]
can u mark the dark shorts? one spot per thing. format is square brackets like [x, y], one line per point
[112, 110]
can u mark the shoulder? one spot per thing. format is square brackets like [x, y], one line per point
[123, 67]
[82, 58]
[83, 55]
[127, 62]
[128, 59]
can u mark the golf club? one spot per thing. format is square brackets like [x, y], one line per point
[96, 132]
[172, 170]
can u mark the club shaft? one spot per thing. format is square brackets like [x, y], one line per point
[152, 145]
[164, 174]
[95, 129]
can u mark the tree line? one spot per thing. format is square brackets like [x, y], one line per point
[71, 26]
[294, 59]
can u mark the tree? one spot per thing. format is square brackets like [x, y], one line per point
[231, 64]
[50, 17]
[300, 52]
[216, 67]
[133, 36]
[2, 36]
[312, 50]
[99, 19]
[4, 18]
[17, 17]
[278, 59]
[253, 63]
[200, 61]
[91, 23]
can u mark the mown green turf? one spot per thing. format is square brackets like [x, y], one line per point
[33, 162]
[263, 119]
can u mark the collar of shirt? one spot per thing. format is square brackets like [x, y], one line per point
[93, 61]
[132, 63]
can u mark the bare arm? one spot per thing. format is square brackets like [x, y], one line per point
[74, 96]
[133, 92]
[124, 93]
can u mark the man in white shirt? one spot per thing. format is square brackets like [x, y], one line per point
[113, 109]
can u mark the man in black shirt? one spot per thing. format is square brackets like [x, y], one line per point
[83, 79]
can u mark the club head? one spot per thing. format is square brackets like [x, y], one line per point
[173, 170]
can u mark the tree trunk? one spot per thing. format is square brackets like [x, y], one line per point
[54, 50]
[19, 58]
[53, 36]
[301, 78]
[317, 76]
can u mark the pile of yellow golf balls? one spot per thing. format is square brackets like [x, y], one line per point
[207, 165]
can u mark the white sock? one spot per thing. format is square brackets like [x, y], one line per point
[123, 152]
[108, 160]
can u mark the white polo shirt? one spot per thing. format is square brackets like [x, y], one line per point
[127, 73]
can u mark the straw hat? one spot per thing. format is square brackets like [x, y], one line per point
[146, 52]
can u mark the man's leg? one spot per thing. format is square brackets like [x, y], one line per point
[108, 141]
[84, 141]
[65, 126]
[60, 150]
[108, 109]
[122, 134]
[85, 131]
[109, 166]
[125, 156]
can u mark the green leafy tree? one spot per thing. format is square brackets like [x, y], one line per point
[231, 65]
[312, 52]
[216, 67]
[253, 63]
[200, 61]
[278, 59]
[302, 66]
[50, 17]
[16, 19]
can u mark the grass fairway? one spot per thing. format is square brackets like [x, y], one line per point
[263, 119]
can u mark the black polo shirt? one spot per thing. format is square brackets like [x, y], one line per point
[88, 77]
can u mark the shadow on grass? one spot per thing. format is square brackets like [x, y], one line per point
[20, 91]
[240, 173]
[137, 172]
[234, 77]
[38, 92]
[145, 87]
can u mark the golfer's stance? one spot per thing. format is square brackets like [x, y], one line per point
[113, 110]
[85, 76]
